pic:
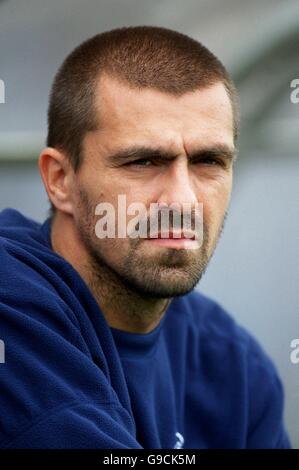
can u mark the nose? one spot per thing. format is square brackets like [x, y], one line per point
[176, 184]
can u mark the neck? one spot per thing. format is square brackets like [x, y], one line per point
[122, 307]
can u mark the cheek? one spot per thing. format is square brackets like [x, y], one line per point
[215, 198]
[113, 250]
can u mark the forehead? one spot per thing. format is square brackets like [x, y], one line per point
[129, 114]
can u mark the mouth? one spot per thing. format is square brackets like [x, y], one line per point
[186, 235]
[186, 240]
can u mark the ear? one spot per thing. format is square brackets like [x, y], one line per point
[57, 175]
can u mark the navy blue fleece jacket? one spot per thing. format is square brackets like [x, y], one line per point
[198, 380]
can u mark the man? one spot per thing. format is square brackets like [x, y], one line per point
[107, 343]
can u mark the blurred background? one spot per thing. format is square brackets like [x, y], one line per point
[255, 270]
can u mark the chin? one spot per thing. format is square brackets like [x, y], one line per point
[166, 288]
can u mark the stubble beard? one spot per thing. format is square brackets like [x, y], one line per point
[169, 273]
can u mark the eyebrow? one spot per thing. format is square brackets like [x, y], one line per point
[142, 152]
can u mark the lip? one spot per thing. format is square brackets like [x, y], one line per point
[177, 243]
[186, 235]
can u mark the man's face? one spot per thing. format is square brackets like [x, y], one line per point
[191, 138]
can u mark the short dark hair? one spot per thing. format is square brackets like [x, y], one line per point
[143, 57]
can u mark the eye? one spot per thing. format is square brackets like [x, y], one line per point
[140, 162]
[209, 161]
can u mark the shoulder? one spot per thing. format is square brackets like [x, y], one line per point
[31, 282]
[225, 357]
[208, 317]
[215, 330]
